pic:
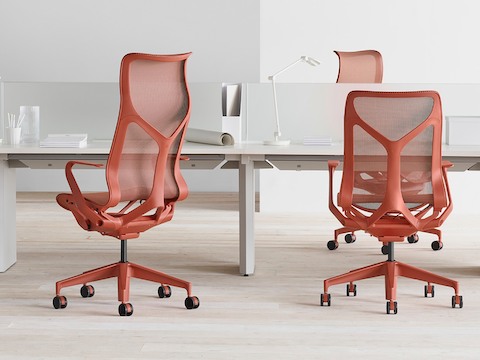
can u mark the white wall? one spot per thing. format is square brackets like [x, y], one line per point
[422, 41]
[66, 40]
[238, 40]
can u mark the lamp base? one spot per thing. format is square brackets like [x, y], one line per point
[277, 142]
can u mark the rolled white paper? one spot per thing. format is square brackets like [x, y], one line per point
[209, 137]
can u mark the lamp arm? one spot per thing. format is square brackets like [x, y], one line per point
[277, 133]
[308, 60]
[285, 69]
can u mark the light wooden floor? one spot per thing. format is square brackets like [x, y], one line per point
[274, 314]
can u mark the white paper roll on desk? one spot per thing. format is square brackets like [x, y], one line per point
[209, 137]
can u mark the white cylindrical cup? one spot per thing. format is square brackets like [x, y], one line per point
[30, 124]
[13, 135]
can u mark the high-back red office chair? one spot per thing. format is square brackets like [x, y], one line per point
[365, 66]
[398, 136]
[142, 172]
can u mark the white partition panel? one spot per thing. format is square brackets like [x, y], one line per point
[317, 109]
[304, 110]
[90, 108]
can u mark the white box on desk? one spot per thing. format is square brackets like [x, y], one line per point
[233, 126]
[232, 110]
[463, 130]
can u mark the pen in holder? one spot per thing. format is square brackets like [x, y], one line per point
[13, 130]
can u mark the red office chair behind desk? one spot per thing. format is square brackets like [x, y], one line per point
[399, 136]
[364, 66]
[142, 172]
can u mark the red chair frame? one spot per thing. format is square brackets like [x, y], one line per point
[142, 172]
[391, 219]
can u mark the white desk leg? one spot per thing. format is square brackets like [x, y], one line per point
[247, 213]
[8, 196]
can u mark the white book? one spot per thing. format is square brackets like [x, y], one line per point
[64, 140]
[317, 140]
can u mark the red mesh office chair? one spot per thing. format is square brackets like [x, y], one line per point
[364, 66]
[142, 172]
[397, 135]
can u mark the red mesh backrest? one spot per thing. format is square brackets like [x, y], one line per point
[364, 66]
[153, 115]
[386, 130]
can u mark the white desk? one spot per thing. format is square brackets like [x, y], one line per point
[245, 157]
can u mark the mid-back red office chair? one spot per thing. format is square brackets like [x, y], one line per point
[398, 135]
[142, 172]
[365, 66]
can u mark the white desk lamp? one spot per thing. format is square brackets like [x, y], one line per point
[309, 60]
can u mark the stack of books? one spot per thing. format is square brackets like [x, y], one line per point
[65, 140]
[316, 140]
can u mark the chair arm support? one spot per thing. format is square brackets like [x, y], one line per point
[71, 163]
[71, 178]
[75, 189]
[446, 164]
[332, 165]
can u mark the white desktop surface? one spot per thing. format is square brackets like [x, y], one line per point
[91, 148]
[245, 156]
[250, 148]
[103, 147]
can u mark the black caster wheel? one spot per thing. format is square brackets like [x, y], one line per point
[164, 291]
[60, 302]
[393, 310]
[125, 309]
[332, 245]
[325, 299]
[385, 249]
[352, 290]
[192, 302]
[350, 238]
[454, 301]
[437, 245]
[87, 291]
[431, 292]
[413, 239]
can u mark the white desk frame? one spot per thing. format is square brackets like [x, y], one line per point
[244, 156]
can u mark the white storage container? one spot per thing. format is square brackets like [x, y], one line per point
[463, 130]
